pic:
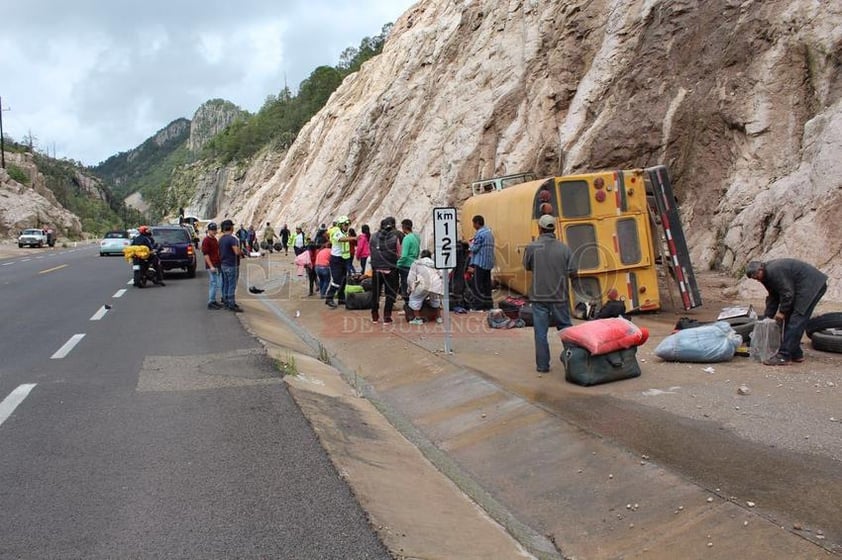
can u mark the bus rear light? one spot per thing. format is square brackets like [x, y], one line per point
[598, 183]
[642, 289]
[600, 196]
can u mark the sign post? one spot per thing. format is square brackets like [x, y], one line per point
[444, 258]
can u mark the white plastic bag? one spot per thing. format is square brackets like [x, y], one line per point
[716, 342]
[765, 340]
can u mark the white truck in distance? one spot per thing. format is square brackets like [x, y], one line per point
[35, 238]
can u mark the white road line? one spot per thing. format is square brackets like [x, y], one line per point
[6, 264]
[10, 403]
[25, 260]
[100, 313]
[119, 293]
[68, 346]
[130, 282]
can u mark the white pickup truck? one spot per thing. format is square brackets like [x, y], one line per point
[35, 238]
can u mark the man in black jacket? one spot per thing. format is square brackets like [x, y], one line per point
[795, 288]
[385, 250]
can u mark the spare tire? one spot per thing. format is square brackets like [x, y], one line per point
[826, 342]
[822, 322]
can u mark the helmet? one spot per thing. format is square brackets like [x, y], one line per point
[342, 220]
[143, 230]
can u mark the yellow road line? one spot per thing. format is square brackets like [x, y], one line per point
[53, 269]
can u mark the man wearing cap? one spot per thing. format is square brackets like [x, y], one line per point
[794, 289]
[210, 250]
[338, 265]
[551, 263]
[229, 259]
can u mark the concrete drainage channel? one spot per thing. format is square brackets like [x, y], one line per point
[536, 544]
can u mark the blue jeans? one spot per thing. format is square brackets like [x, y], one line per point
[541, 313]
[403, 275]
[230, 275]
[214, 285]
[794, 327]
[323, 274]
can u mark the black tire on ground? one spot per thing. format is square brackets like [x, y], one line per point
[825, 321]
[826, 342]
[139, 279]
[20, 245]
[743, 326]
[191, 271]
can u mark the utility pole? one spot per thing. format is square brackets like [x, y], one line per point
[2, 142]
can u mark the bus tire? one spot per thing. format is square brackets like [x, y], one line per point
[826, 342]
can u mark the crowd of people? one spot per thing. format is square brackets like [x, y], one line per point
[391, 257]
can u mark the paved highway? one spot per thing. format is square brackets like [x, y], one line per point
[155, 428]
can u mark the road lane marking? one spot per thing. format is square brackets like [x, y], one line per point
[68, 346]
[130, 282]
[100, 313]
[59, 267]
[11, 402]
[7, 264]
[25, 260]
[119, 293]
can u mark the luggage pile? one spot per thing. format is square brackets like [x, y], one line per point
[601, 351]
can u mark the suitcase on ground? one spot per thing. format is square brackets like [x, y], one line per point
[358, 300]
[583, 368]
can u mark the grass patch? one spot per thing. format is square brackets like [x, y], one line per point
[287, 365]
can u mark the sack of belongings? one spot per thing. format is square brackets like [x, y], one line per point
[716, 342]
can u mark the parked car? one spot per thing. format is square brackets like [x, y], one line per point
[33, 238]
[114, 242]
[193, 234]
[176, 248]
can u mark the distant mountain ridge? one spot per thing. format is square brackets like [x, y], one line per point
[148, 168]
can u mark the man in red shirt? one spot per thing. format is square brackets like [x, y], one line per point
[210, 249]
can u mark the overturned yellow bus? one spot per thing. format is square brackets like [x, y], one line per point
[623, 227]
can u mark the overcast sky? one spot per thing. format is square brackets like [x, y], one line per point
[91, 78]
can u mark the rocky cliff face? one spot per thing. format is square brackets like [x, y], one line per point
[741, 99]
[210, 119]
[33, 204]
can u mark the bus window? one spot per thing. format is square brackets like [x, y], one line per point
[581, 238]
[629, 241]
[575, 199]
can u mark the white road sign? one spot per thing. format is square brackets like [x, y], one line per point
[444, 238]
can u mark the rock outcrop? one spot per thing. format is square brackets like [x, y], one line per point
[210, 119]
[32, 204]
[741, 99]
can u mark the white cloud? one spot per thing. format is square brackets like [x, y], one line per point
[92, 79]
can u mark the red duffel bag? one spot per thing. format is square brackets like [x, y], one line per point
[602, 336]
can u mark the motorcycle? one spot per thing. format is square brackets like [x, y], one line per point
[142, 268]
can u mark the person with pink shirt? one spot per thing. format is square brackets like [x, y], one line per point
[323, 268]
[363, 247]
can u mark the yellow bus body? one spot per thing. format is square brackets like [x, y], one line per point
[603, 217]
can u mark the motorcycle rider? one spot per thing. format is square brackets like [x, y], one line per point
[144, 237]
